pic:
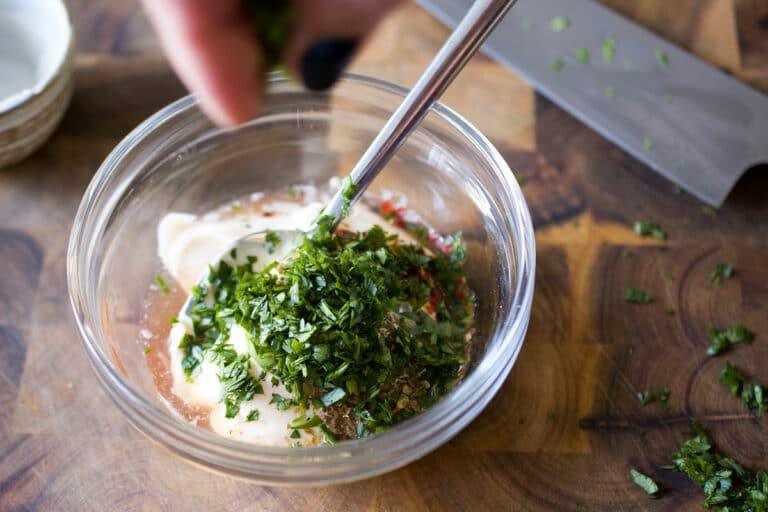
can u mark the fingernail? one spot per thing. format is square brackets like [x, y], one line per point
[325, 61]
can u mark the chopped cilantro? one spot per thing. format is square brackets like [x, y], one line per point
[649, 229]
[661, 57]
[521, 180]
[292, 191]
[726, 483]
[708, 210]
[609, 47]
[582, 55]
[754, 396]
[647, 143]
[281, 402]
[161, 283]
[271, 23]
[626, 253]
[147, 350]
[669, 312]
[272, 242]
[668, 275]
[253, 415]
[637, 296]
[722, 270]
[348, 191]
[557, 65]
[663, 398]
[721, 340]
[645, 482]
[295, 434]
[609, 92]
[559, 23]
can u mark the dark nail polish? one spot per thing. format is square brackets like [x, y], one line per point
[325, 61]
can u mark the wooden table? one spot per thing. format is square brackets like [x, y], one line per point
[565, 428]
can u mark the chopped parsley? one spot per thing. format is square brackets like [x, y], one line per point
[721, 340]
[253, 415]
[161, 283]
[559, 23]
[669, 312]
[708, 210]
[582, 55]
[272, 242]
[661, 57]
[521, 180]
[648, 397]
[609, 92]
[147, 350]
[649, 229]
[645, 482]
[292, 191]
[271, 22]
[647, 143]
[353, 320]
[664, 398]
[725, 482]
[754, 396]
[637, 296]
[722, 270]
[609, 48]
[557, 65]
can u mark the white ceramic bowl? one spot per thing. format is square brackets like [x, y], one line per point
[36, 67]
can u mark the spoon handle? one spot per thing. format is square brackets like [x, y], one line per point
[466, 39]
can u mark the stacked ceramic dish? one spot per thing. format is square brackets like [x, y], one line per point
[36, 67]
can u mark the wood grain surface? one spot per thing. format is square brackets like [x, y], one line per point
[566, 426]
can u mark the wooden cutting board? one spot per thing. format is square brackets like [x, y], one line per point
[565, 428]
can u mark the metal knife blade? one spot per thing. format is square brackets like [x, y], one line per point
[686, 120]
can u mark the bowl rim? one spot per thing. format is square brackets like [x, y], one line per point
[354, 459]
[65, 53]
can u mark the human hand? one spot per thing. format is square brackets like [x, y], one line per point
[213, 47]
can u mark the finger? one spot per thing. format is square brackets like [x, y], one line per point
[213, 49]
[326, 34]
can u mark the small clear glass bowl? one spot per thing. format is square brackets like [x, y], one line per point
[177, 160]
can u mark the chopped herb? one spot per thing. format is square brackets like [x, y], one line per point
[557, 65]
[272, 242]
[271, 23]
[668, 276]
[552, 416]
[708, 210]
[173, 320]
[582, 54]
[721, 340]
[521, 180]
[235, 207]
[626, 253]
[281, 402]
[253, 415]
[668, 97]
[295, 435]
[637, 296]
[645, 397]
[662, 58]
[609, 48]
[303, 422]
[292, 191]
[649, 229]
[663, 398]
[726, 483]
[147, 350]
[722, 270]
[521, 421]
[609, 92]
[645, 482]
[754, 396]
[559, 23]
[348, 191]
[647, 143]
[161, 283]
[669, 312]
[528, 25]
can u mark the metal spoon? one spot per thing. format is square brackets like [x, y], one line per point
[462, 44]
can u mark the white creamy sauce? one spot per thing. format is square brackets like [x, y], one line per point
[187, 244]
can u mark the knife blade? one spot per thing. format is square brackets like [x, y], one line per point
[685, 119]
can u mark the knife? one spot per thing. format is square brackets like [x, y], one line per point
[683, 118]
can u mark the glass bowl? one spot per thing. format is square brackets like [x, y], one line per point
[178, 161]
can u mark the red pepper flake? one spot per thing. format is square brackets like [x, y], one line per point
[267, 214]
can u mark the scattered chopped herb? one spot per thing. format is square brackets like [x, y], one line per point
[725, 482]
[521, 421]
[668, 97]
[668, 276]
[582, 54]
[521, 180]
[147, 350]
[645, 482]
[661, 57]
[348, 191]
[663, 398]
[271, 22]
[722, 270]
[552, 416]
[557, 65]
[708, 210]
[637, 296]
[754, 396]
[292, 191]
[650, 229]
[609, 92]
[626, 253]
[559, 23]
[272, 242]
[253, 415]
[281, 402]
[669, 312]
[647, 143]
[609, 48]
[528, 25]
[295, 435]
[645, 397]
[235, 207]
[161, 283]
[721, 340]
[173, 320]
